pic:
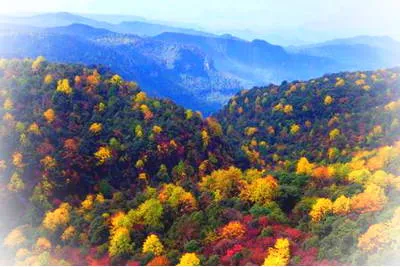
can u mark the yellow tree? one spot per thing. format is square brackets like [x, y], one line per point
[227, 182]
[138, 131]
[116, 80]
[260, 190]
[103, 154]
[152, 244]
[88, 203]
[304, 166]
[279, 255]
[360, 82]
[96, 127]
[57, 218]
[328, 100]
[118, 220]
[341, 205]
[320, 209]
[288, 109]
[334, 133]
[294, 129]
[63, 87]
[189, 259]
[34, 128]
[339, 82]
[157, 129]
[8, 104]
[38, 63]
[205, 138]
[359, 176]
[68, 233]
[250, 131]
[140, 97]
[189, 114]
[48, 79]
[176, 196]
[120, 242]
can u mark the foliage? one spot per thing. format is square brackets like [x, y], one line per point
[260, 190]
[95, 171]
[279, 255]
[233, 230]
[321, 208]
[148, 213]
[120, 243]
[341, 205]
[64, 87]
[225, 182]
[57, 218]
[189, 259]
[153, 245]
[15, 238]
[304, 167]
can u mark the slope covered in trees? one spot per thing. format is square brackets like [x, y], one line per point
[69, 129]
[95, 172]
[324, 119]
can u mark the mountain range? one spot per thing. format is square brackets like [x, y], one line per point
[196, 69]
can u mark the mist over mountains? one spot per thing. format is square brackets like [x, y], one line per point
[198, 70]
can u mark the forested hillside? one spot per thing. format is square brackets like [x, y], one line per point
[325, 119]
[95, 172]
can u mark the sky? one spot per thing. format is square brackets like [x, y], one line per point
[302, 19]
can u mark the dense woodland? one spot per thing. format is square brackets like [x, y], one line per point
[95, 172]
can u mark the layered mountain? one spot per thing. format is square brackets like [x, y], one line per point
[360, 52]
[256, 62]
[182, 73]
[136, 26]
[196, 69]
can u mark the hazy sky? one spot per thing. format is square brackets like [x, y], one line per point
[336, 18]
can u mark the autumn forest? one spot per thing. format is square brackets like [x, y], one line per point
[94, 171]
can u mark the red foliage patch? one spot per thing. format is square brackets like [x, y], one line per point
[92, 260]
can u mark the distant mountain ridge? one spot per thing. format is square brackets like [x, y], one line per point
[255, 62]
[65, 19]
[197, 69]
[183, 74]
[359, 52]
